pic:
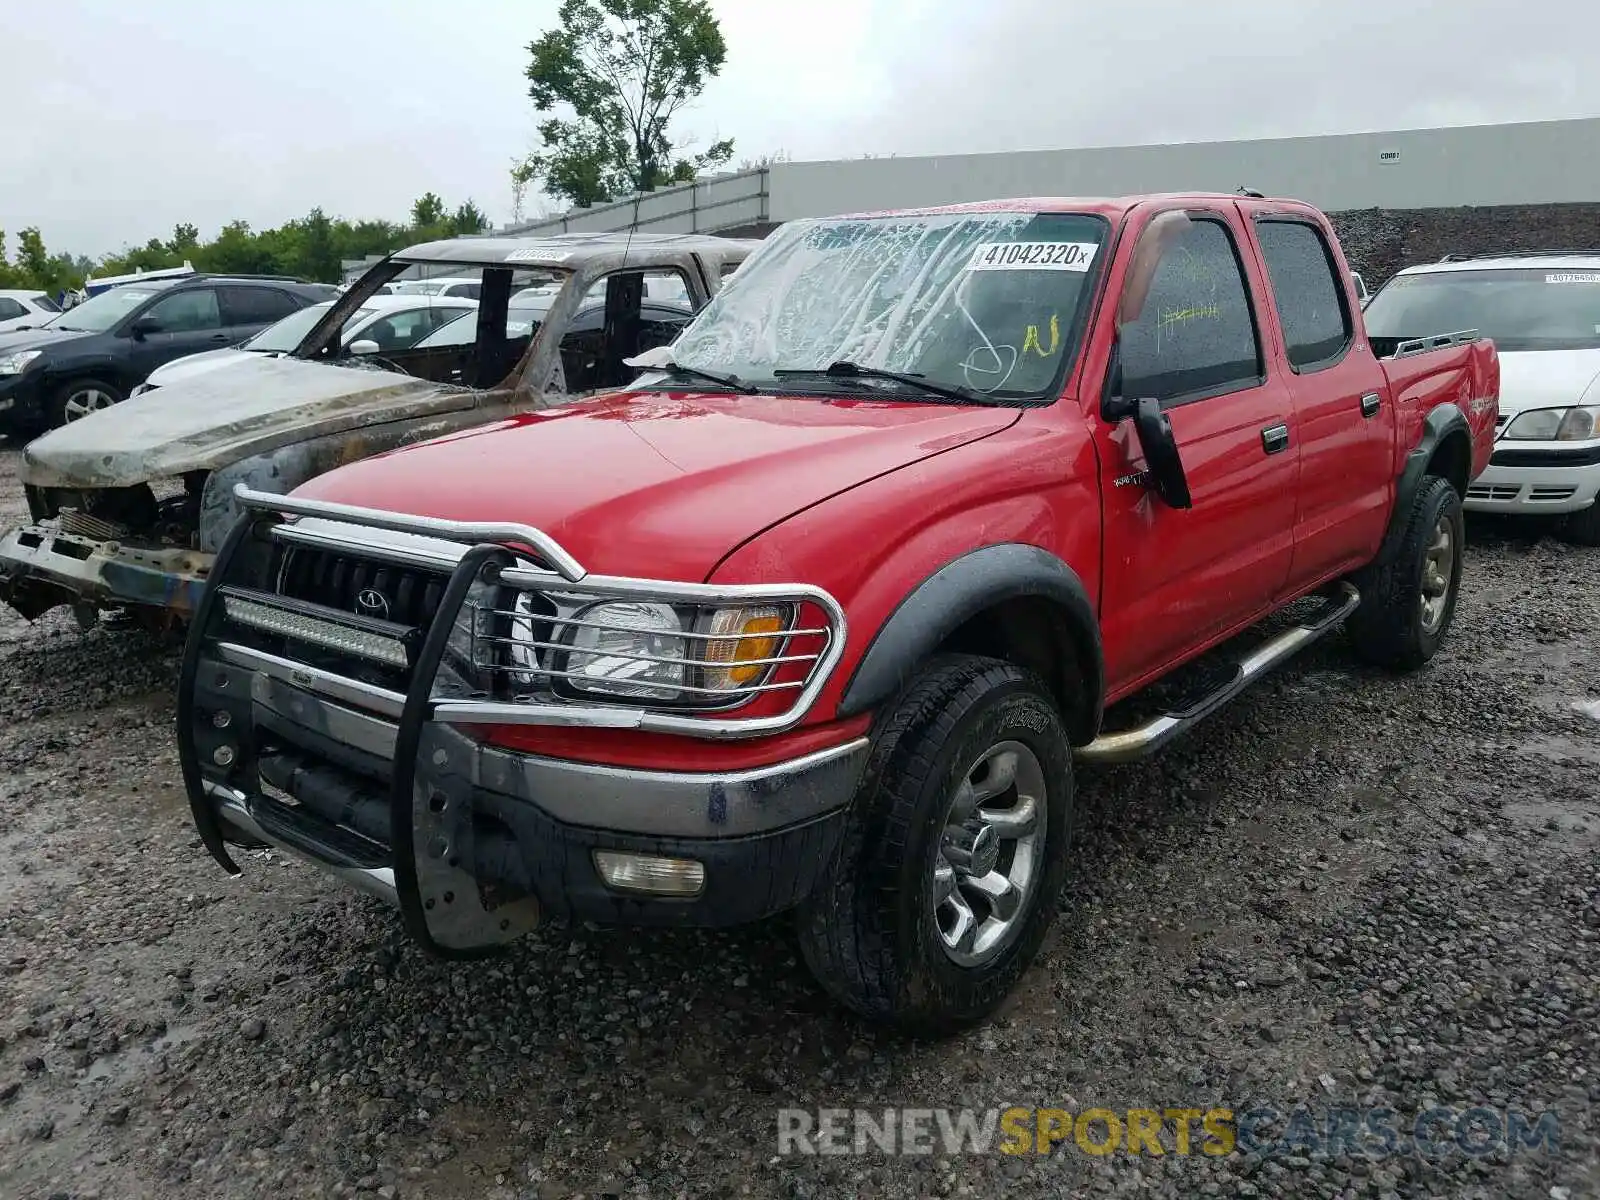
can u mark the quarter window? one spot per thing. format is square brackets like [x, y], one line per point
[1311, 303]
[1196, 336]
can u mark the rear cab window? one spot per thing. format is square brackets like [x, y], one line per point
[1311, 302]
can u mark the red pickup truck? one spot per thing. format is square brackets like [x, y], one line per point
[817, 613]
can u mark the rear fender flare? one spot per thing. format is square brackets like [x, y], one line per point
[959, 591]
[1440, 426]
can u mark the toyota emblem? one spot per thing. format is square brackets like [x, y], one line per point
[370, 602]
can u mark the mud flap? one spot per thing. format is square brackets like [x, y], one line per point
[432, 835]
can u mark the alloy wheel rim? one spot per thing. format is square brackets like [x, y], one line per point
[990, 854]
[89, 400]
[1438, 564]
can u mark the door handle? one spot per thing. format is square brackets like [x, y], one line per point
[1370, 404]
[219, 337]
[1275, 438]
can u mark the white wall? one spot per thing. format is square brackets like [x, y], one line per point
[1542, 162]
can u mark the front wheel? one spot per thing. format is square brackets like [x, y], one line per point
[1407, 603]
[83, 398]
[949, 873]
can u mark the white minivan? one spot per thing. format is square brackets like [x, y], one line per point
[1542, 308]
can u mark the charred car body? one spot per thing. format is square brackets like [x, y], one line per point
[130, 506]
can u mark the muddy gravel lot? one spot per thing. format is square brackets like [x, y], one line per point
[1348, 890]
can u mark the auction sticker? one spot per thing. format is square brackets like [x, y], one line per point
[1573, 277]
[1033, 256]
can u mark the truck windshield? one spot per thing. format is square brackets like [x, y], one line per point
[1534, 308]
[987, 301]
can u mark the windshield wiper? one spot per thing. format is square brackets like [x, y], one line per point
[845, 369]
[732, 382]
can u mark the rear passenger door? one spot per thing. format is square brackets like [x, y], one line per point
[1176, 579]
[246, 311]
[1340, 400]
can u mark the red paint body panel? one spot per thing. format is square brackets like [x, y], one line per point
[867, 498]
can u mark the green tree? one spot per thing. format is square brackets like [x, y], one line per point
[185, 239]
[469, 218]
[427, 211]
[609, 80]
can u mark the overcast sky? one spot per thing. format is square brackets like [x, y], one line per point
[122, 119]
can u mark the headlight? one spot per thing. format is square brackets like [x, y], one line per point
[15, 364]
[1579, 425]
[1554, 425]
[643, 650]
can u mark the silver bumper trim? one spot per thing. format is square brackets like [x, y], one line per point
[234, 808]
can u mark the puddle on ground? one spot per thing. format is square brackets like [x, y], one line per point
[1589, 708]
[1554, 817]
[1562, 749]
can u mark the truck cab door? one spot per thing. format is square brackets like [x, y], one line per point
[1176, 579]
[1342, 402]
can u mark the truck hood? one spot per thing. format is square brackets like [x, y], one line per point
[1547, 379]
[660, 485]
[254, 405]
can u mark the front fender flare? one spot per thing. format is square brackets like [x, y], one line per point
[959, 591]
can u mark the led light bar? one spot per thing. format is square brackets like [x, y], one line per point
[329, 635]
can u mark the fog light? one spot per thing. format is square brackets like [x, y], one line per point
[223, 756]
[650, 873]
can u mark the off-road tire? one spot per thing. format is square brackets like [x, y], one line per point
[1583, 526]
[868, 932]
[64, 395]
[1388, 629]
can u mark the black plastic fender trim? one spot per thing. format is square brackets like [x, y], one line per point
[1444, 421]
[205, 817]
[959, 591]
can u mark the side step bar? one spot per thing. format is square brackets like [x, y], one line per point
[1132, 745]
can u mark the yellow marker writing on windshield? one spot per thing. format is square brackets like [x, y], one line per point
[1032, 342]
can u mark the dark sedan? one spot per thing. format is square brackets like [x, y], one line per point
[92, 356]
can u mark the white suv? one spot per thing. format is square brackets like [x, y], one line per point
[1542, 308]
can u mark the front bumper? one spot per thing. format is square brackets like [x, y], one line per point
[317, 778]
[42, 567]
[1537, 477]
[390, 791]
[21, 405]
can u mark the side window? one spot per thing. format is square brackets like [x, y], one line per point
[1311, 304]
[256, 306]
[187, 312]
[1196, 336]
[10, 309]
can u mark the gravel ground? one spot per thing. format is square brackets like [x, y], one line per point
[1347, 889]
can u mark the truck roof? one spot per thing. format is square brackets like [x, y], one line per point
[1107, 206]
[562, 249]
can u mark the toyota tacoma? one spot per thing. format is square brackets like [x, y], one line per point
[817, 613]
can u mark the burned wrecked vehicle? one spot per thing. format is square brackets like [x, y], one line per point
[130, 506]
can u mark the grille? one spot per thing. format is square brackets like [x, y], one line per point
[385, 591]
[81, 524]
[1551, 494]
[1497, 492]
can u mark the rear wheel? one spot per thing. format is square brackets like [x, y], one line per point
[1407, 604]
[1583, 527]
[949, 874]
[83, 398]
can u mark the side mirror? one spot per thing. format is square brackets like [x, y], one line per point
[365, 346]
[1161, 457]
[144, 327]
